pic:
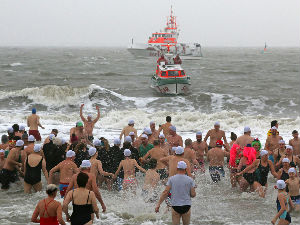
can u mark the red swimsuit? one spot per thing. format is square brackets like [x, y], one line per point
[51, 220]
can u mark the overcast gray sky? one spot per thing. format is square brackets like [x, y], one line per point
[115, 22]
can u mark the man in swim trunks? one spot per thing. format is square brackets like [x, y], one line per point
[67, 169]
[293, 184]
[163, 144]
[89, 123]
[201, 149]
[245, 139]
[173, 138]
[215, 156]
[165, 127]
[295, 142]
[183, 189]
[157, 153]
[13, 164]
[190, 154]
[126, 130]
[155, 132]
[33, 122]
[77, 133]
[272, 143]
[214, 135]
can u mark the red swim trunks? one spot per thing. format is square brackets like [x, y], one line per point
[36, 134]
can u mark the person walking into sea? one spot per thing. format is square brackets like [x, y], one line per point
[295, 143]
[183, 189]
[126, 130]
[165, 127]
[200, 147]
[33, 122]
[173, 138]
[89, 123]
[272, 143]
[214, 135]
[245, 139]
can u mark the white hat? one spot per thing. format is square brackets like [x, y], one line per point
[131, 133]
[10, 130]
[85, 164]
[274, 128]
[217, 123]
[89, 115]
[21, 127]
[247, 129]
[70, 154]
[128, 139]
[130, 122]
[181, 165]
[199, 133]
[51, 136]
[285, 160]
[2, 151]
[31, 138]
[280, 184]
[173, 149]
[292, 170]
[147, 131]
[161, 136]
[92, 151]
[19, 143]
[144, 136]
[37, 148]
[173, 128]
[263, 152]
[117, 141]
[152, 122]
[127, 152]
[289, 147]
[179, 150]
[97, 142]
[281, 141]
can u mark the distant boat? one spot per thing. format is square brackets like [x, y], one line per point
[265, 49]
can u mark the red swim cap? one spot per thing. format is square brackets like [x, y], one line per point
[219, 143]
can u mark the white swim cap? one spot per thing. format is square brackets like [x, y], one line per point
[21, 127]
[117, 141]
[147, 131]
[92, 151]
[292, 170]
[281, 141]
[130, 122]
[70, 154]
[51, 136]
[199, 133]
[173, 149]
[144, 136]
[37, 148]
[263, 152]
[179, 150]
[247, 129]
[89, 115]
[97, 142]
[63, 141]
[128, 139]
[10, 130]
[217, 123]
[19, 143]
[131, 133]
[2, 151]
[274, 128]
[181, 165]
[280, 184]
[152, 122]
[31, 138]
[161, 136]
[85, 164]
[285, 160]
[127, 152]
[173, 128]
[289, 147]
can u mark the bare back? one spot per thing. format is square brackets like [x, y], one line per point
[67, 169]
[216, 157]
[200, 148]
[243, 140]
[33, 122]
[296, 145]
[128, 167]
[158, 153]
[51, 206]
[173, 161]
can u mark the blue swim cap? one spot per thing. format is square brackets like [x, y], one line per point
[33, 110]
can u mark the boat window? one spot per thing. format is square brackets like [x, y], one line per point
[163, 73]
[182, 73]
[173, 73]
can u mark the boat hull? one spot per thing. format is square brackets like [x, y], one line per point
[172, 86]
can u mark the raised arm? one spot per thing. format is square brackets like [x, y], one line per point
[98, 115]
[81, 115]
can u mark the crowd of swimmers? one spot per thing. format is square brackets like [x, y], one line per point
[77, 166]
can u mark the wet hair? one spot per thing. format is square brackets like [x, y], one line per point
[15, 127]
[233, 136]
[4, 139]
[168, 118]
[126, 145]
[295, 132]
[82, 179]
[79, 147]
[24, 136]
[156, 142]
[273, 123]
[152, 163]
[188, 142]
[55, 131]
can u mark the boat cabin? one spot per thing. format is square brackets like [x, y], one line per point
[169, 71]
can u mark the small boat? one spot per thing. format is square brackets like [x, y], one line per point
[170, 78]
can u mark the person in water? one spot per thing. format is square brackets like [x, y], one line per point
[201, 148]
[214, 135]
[183, 189]
[83, 201]
[89, 123]
[283, 199]
[295, 143]
[49, 210]
[272, 143]
[293, 185]
[33, 122]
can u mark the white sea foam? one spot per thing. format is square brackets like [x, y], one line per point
[16, 64]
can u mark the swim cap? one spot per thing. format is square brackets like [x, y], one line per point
[21, 127]
[179, 150]
[274, 128]
[289, 147]
[247, 129]
[117, 141]
[147, 131]
[37, 148]
[173, 149]
[292, 170]
[152, 122]
[31, 138]
[173, 128]
[130, 122]
[144, 136]
[128, 139]
[131, 133]
[19, 143]
[79, 124]
[85, 164]
[10, 130]
[2, 151]
[285, 160]
[256, 141]
[51, 136]
[89, 116]
[127, 152]
[70, 154]
[161, 136]
[264, 152]
[199, 133]
[280, 184]
[97, 142]
[92, 151]
[33, 110]
[219, 143]
[217, 123]
[181, 165]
